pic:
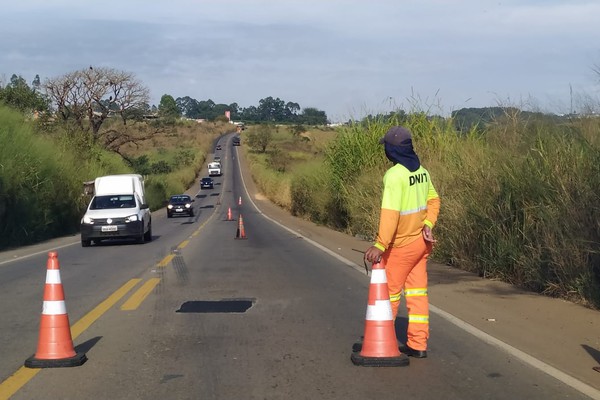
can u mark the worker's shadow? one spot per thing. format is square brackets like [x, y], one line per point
[401, 325]
[594, 353]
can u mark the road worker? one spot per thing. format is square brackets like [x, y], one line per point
[409, 210]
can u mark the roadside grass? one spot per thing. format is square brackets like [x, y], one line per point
[40, 182]
[43, 168]
[520, 199]
[288, 160]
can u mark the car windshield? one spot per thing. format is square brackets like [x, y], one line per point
[180, 199]
[112, 201]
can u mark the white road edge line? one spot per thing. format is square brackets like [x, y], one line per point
[37, 253]
[524, 357]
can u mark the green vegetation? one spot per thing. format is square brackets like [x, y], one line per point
[520, 199]
[43, 167]
[269, 110]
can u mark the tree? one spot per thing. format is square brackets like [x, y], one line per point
[313, 116]
[36, 84]
[188, 107]
[260, 138]
[19, 95]
[167, 108]
[291, 111]
[88, 96]
[271, 110]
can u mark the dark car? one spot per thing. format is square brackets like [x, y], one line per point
[180, 204]
[218, 147]
[206, 183]
[236, 141]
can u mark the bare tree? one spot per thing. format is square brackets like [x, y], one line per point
[90, 95]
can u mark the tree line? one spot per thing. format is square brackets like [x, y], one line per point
[94, 94]
[269, 110]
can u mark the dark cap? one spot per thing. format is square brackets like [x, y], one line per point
[396, 135]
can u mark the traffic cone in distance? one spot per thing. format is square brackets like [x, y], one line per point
[241, 233]
[55, 345]
[229, 216]
[380, 346]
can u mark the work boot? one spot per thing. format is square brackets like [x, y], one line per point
[406, 349]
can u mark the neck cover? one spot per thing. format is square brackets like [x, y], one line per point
[404, 155]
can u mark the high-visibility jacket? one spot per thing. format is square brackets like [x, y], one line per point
[409, 202]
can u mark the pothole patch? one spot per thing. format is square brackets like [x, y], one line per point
[217, 306]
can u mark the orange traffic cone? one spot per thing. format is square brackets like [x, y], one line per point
[229, 216]
[55, 345]
[241, 233]
[380, 346]
[240, 201]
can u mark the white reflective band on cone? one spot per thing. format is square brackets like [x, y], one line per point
[52, 276]
[378, 276]
[381, 311]
[57, 307]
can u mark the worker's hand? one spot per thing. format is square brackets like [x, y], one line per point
[373, 254]
[428, 235]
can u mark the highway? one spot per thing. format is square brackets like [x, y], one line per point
[200, 314]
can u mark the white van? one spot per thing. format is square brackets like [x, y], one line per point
[214, 168]
[117, 210]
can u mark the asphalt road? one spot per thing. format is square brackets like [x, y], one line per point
[273, 315]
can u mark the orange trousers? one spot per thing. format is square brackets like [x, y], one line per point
[406, 268]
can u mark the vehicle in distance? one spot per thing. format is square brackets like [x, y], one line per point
[217, 159]
[218, 147]
[236, 141]
[206, 183]
[117, 210]
[180, 204]
[214, 168]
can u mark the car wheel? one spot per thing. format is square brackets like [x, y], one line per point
[169, 215]
[148, 235]
[85, 243]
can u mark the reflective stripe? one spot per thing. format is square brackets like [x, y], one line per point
[53, 276]
[54, 307]
[396, 296]
[378, 276]
[418, 318]
[381, 311]
[415, 292]
[413, 211]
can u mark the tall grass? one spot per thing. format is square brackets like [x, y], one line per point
[520, 198]
[520, 202]
[40, 184]
[42, 171]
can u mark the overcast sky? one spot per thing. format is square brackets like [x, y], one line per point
[346, 57]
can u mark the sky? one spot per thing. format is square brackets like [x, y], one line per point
[348, 58]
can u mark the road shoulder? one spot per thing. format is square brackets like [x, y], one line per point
[563, 335]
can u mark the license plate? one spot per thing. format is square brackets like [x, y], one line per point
[179, 209]
[109, 228]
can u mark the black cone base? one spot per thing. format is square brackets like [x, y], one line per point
[75, 361]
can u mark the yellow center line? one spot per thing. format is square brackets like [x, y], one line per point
[140, 295]
[183, 244]
[97, 312]
[165, 261]
[23, 375]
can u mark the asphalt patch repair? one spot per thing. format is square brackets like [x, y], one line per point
[216, 306]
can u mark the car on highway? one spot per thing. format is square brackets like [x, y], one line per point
[180, 204]
[218, 147]
[217, 159]
[206, 183]
[236, 141]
